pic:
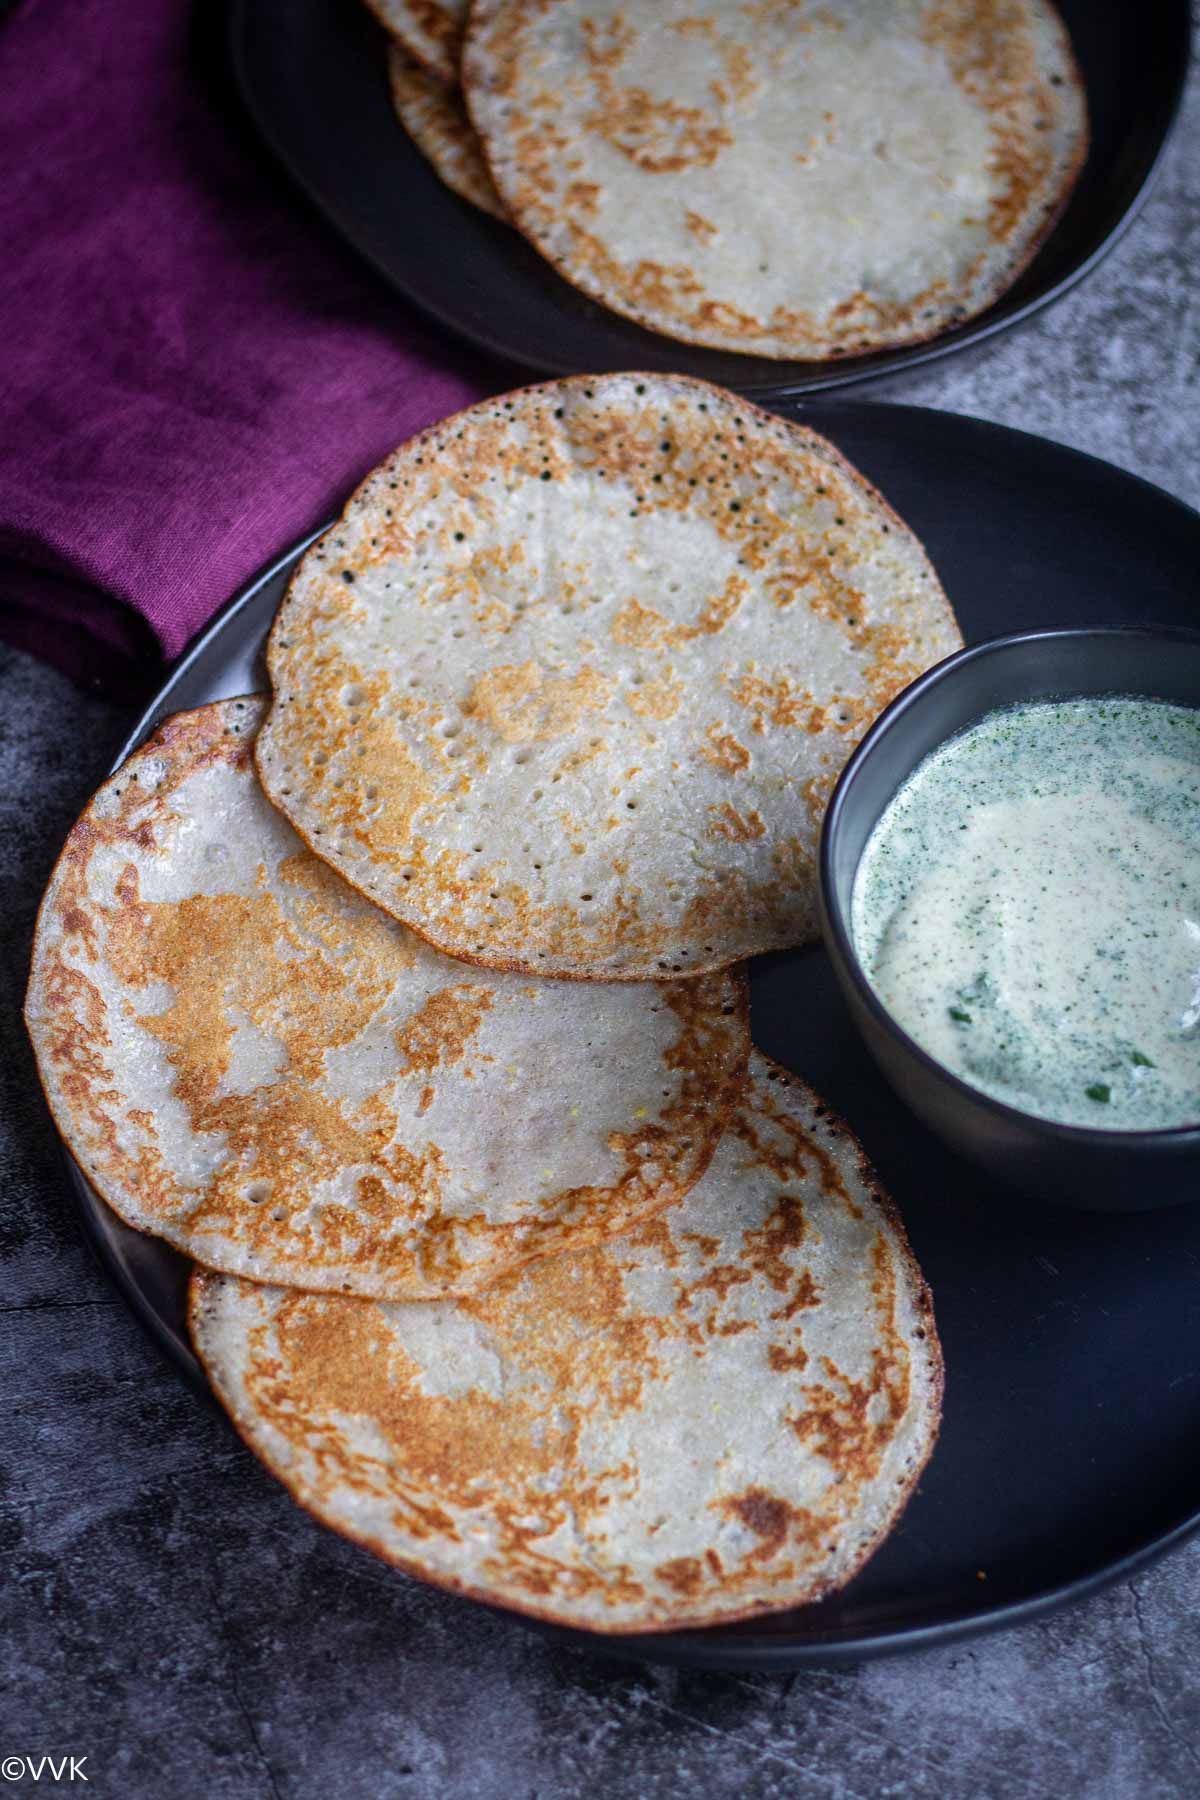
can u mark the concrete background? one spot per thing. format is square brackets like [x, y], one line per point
[167, 1612]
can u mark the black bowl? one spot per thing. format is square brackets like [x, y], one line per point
[1104, 1171]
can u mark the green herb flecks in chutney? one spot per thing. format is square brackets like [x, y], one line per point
[1028, 909]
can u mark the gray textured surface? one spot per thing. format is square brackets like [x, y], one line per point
[167, 1612]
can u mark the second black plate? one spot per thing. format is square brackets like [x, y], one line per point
[1069, 1448]
[312, 74]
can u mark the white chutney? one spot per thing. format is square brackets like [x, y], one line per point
[1028, 909]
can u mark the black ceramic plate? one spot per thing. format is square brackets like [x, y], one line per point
[312, 73]
[1070, 1449]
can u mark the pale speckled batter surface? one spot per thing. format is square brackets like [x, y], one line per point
[799, 178]
[567, 687]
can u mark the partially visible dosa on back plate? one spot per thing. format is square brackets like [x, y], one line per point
[435, 119]
[430, 30]
[567, 687]
[248, 1060]
[792, 178]
[720, 1414]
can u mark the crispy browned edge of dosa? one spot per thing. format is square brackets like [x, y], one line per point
[397, 55]
[446, 72]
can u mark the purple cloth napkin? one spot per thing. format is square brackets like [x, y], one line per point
[192, 370]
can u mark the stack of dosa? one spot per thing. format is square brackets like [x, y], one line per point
[565, 1309]
[249, 1060]
[719, 1414]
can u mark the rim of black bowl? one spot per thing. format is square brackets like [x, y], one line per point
[909, 697]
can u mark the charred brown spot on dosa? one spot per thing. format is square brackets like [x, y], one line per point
[438, 1034]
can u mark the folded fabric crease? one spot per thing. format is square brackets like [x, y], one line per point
[195, 373]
